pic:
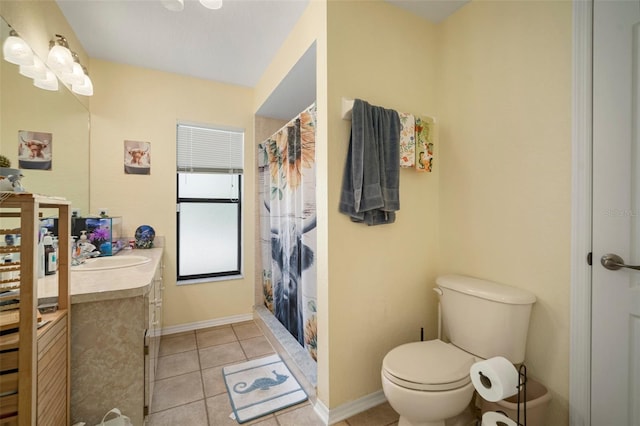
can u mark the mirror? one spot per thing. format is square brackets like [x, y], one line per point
[56, 119]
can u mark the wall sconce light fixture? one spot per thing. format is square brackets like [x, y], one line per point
[76, 76]
[61, 63]
[50, 82]
[16, 50]
[67, 66]
[37, 70]
[86, 87]
[60, 59]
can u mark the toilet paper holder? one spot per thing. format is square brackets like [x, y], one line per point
[522, 386]
[521, 389]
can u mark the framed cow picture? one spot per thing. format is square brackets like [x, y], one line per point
[137, 158]
[35, 150]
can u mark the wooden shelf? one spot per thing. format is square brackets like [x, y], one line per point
[11, 341]
[35, 361]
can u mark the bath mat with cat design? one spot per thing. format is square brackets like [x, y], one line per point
[260, 387]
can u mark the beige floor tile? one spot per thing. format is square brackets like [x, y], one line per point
[246, 330]
[176, 391]
[294, 407]
[302, 416]
[213, 381]
[219, 409]
[270, 421]
[177, 364]
[214, 356]
[380, 415]
[256, 347]
[193, 414]
[175, 343]
[215, 336]
[185, 395]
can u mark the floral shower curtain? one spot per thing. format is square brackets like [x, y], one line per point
[286, 163]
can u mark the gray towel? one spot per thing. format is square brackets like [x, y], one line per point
[370, 184]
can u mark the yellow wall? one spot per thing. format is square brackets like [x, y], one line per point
[379, 277]
[143, 105]
[504, 99]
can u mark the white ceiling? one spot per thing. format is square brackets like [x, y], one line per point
[234, 44]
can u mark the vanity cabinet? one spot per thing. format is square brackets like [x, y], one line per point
[153, 333]
[34, 361]
[115, 340]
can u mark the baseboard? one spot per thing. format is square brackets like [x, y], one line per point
[349, 409]
[173, 329]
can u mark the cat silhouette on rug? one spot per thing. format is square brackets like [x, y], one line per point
[263, 383]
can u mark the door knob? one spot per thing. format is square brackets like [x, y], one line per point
[614, 262]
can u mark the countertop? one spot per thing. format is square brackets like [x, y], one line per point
[107, 284]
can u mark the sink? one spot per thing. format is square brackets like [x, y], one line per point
[110, 262]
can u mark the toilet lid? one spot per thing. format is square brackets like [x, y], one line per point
[432, 366]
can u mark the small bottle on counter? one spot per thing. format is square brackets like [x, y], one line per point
[41, 256]
[50, 256]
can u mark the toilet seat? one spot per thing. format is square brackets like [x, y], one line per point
[428, 366]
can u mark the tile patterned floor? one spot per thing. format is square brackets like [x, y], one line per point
[190, 391]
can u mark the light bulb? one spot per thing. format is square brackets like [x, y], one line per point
[60, 59]
[211, 4]
[74, 77]
[17, 51]
[35, 71]
[48, 83]
[85, 89]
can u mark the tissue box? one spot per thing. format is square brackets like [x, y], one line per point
[102, 232]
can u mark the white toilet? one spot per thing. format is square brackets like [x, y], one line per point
[428, 382]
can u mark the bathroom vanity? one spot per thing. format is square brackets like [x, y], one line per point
[115, 334]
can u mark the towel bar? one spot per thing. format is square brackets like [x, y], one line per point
[347, 107]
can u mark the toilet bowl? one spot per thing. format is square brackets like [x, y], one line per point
[427, 382]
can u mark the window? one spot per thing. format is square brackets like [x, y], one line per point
[209, 199]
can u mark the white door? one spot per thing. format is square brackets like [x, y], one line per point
[615, 370]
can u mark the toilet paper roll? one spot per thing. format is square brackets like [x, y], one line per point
[492, 418]
[495, 378]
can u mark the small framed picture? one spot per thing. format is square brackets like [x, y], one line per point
[35, 150]
[137, 158]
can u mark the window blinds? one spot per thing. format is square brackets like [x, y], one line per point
[208, 150]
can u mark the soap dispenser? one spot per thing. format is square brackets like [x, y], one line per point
[83, 238]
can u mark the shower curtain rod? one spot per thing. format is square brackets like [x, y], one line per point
[288, 122]
[347, 107]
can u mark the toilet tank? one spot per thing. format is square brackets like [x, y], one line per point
[485, 318]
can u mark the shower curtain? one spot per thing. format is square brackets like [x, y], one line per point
[286, 170]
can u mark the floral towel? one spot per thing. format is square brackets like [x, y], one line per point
[407, 140]
[424, 145]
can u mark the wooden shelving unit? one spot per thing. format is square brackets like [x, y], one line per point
[35, 361]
